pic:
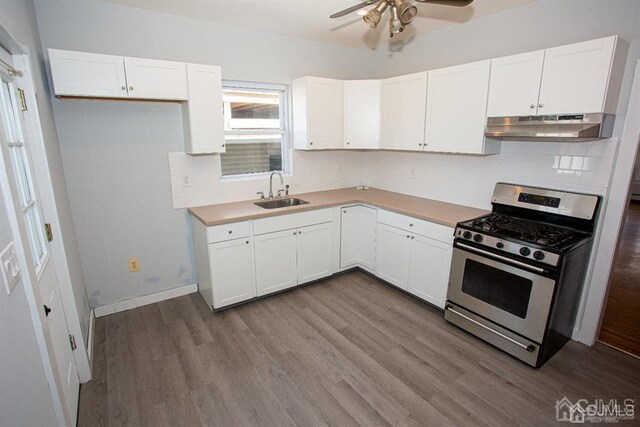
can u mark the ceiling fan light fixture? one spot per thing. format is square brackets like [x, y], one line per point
[406, 11]
[395, 25]
[373, 17]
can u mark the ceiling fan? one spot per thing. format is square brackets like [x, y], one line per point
[401, 12]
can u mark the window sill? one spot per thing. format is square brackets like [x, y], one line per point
[251, 177]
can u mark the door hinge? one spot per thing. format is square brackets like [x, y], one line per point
[47, 229]
[72, 341]
[23, 100]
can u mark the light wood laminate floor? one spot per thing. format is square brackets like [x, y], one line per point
[349, 350]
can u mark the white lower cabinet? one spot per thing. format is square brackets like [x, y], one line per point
[410, 261]
[314, 252]
[232, 271]
[429, 265]
[275, 261]
[284, 259]
[358, 236]
[392, 255]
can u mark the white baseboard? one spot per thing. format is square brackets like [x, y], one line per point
[92, 325]
[117, 307]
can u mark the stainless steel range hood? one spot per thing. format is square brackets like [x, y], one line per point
[559, 128]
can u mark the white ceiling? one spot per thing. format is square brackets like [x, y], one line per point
[309, 19]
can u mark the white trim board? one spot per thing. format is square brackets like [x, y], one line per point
[91, 335]
[117, 307]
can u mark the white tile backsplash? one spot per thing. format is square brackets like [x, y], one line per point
[467, 180]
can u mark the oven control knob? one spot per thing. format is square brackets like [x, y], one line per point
[539, 255]
[499, 245]
[525, 251]
[477, 238]
[466, 235]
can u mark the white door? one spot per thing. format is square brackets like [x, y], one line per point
[325, 118]
[361, 113]
[232, 270]
[403, 109]
[41, 271]
[515, 84]
[392, 255]
[576, 76]
[87, 74]
[154, 79]
[349, 225]
[275, 258]
[205, 117]
[457, 108]
[429, 266]
[315, 252]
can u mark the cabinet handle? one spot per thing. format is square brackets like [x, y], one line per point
[123, 88]
[413, 237]
[311, 143]
[419, 145]
[247, 242]
[230, 231]
[222, 145]
[410, 225]
[294, 233]
[299, 232]
[130, 87]
[408, 236]
[532, 106]
[541, 105]
[344, 211]
[348, 143]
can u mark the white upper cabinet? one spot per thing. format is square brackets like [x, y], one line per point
[403, 105]
[577, 78]
[204, 125]
[457, 109]
[361, 113]
[87, 74]
[318, 113]
[154, 79]
[107, 76]
[515, 84]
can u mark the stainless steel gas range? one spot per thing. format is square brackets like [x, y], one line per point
[517, 273]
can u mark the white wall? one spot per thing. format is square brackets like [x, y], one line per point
[116, 153]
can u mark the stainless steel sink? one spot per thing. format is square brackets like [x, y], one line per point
[281, 203]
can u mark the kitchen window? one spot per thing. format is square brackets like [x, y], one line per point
[255, 124]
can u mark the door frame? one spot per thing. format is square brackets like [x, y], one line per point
[614, 215]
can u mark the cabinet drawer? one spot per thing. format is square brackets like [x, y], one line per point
[288, 222]
[221, 233]
[417, 226]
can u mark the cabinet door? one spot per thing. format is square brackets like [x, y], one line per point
[204, 127]
[403, 111]
[575, 77]
[362, 113]
[429, 266]
[349, 236]
[515, 85]
[392, 255]
[457, 108]
[325, 119]
[154, 79]
[232, 272]
[315, 252]
[87, 74]
[275, 259]
[368, 218]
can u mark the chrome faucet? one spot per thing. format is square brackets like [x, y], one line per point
[271, 183]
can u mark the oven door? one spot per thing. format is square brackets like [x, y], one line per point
[509, 293]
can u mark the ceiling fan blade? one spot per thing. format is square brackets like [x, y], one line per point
[352, 9]
[458, 3]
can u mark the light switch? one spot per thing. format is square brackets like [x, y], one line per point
[10, 269]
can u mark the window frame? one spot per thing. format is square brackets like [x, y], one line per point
[283, 131]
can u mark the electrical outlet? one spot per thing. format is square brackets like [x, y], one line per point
[134, 265]
[186, 180]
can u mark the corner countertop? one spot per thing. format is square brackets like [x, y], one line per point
[447, 214]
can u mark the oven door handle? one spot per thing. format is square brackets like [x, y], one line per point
[530, 348]
[501, 258]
